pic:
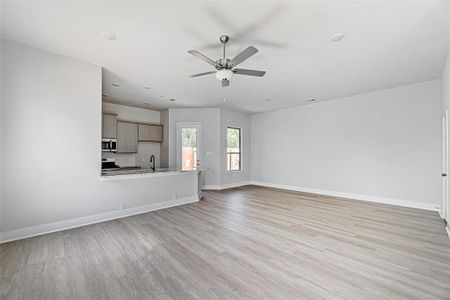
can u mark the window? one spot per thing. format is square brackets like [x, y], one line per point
[233, 149]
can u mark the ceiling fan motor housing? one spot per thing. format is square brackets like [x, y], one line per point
[223, 63]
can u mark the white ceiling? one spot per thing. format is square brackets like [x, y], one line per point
[386, 44]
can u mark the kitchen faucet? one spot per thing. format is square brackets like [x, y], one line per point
[152, 161]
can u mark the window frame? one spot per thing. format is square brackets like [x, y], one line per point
[239, 153]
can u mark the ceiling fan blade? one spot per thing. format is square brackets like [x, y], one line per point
[201, 74]
[243, 55]
[225, 82]
[203, 57]
[249, 72]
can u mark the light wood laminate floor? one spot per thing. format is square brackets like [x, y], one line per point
[250, 242]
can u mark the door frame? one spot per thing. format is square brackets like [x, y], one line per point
[445, 201]
[198, 125]
[445, 211]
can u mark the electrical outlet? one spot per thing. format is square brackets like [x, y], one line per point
[121, 206]
[174, 196]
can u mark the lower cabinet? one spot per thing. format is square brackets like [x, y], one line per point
[127, 137]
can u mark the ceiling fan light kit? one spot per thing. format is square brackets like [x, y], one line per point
[224, 74]
[225, 68]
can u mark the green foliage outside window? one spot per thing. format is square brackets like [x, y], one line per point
[233, 149]
[189, 137]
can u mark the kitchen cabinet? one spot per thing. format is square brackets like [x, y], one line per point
[150, 133]
[109, 123]
[127, 137]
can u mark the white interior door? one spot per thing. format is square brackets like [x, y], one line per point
[188, 146]
[445, 200]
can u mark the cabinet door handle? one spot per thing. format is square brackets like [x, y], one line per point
[444, 175]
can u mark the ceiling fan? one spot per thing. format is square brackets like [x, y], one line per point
[225, 68]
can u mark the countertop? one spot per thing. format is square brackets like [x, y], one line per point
[131, 172]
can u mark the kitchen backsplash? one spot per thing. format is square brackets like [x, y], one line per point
[122, 159]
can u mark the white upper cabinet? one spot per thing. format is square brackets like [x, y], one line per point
[127, 137]
[150, 133]
[109, 123]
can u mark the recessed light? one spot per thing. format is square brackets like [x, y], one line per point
[172, 99]
[108, 35]
[311, 100]
[267, 100]
[337, 37]
[162, 96]
[116, 84]
[147, 87]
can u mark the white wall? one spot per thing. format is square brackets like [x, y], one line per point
[133, 114]
[1, 131]
[209, 118]
[230, 118]
[51, 133]
[145, 149]
[446, 82]
[385, 144]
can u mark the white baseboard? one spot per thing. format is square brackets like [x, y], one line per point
[398, 202]
[211, 187]
[447, 228]
[27, 232]
[226, 186]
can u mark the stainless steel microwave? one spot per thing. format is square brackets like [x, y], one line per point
[109, 145]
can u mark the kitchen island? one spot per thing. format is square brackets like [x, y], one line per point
[130, 191]
[171, 181]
